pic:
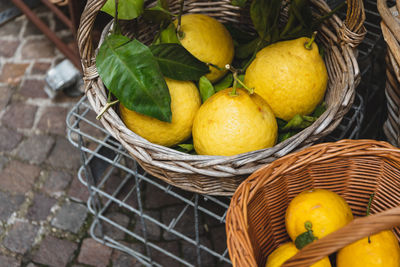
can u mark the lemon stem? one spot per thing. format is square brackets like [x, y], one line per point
[237, 80]
[180, 34]
[369, 210]
[309, 44]
[233, 92]
[105, 108]
[116, 25]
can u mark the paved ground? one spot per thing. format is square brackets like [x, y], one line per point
[43, 215]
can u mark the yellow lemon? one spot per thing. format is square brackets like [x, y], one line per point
[231, 124]
[185, 101]
[383, 250]
[209, 41]
[324, 209]
[285, 252]
[291, 78]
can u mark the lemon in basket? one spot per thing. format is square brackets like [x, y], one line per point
[185, 101]
[229, 124]
[208, 40]
[320, 210]
[382, 250]
[290, 77]
[285, 252]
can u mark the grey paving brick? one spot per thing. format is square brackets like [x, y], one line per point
[53, 120]
[18, 177]
[33, 88]
[189, 253]
[36, 148]
[185, 225]
[9, 204]
[21, 236]
[40, 208]
[19, 116]
[56, 182]
[55, 252]
[5, 95]
[153, 230]
[64, 155]
[94, 253]
[11, 29]
[112, 231]
[9, 139]
[7, 261]
[40, 68]
[78, 191]
[157, 198]
[161, 258]
[70, 217]
[8, 48]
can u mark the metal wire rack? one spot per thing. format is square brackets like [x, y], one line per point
[185, 229]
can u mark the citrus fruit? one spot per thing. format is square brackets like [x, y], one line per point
[231, 124]
[291, 78]
[324, 209]
[209, 41]
[185, 101]
[383, 250]
[285, 252]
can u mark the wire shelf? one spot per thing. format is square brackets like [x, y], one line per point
[166, 225]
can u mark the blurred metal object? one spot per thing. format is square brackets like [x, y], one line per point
[64, 77]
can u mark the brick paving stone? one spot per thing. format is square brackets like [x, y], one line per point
[112, 231]
[70, 217]
[9, 204]
[219, 238]
[55, 252]
[157, 198]
[185, 225]
[94, 253]
[31, 29]
[31, 265]
[122, 259]
[5, 95]
[12, 72]
[9, 139]
[189, 252]
[18, 177]
[161, 258]
[3, 161]
[20, 116]
[36, 148]
[53, 120]
[40, 208]
[153, 230]
[21, 236]
[10, 29]
[6, 261]
[33, 88]
[64, 155]
[56, 182]
[40, 68]
[8, 48]
[78, 191]
[38, 49]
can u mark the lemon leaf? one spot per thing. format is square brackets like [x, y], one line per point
[239, 3]
[168, 35]
[206, 88]
[177, 63]
[129, 70]
[158, 13]
[264, 15]
[226, 82]
[127, 9]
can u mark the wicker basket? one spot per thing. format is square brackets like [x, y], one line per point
[255, 222]
[217, 175]
[391, 32]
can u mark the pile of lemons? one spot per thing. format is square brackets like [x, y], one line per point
[316, 213]
[288, 78]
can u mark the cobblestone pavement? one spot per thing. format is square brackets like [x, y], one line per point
[43, 215]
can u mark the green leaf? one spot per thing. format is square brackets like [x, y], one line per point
[129, 70]
[283, 136]
[177, 63]
[319, 110]
[246, 50]
[264, 15]
[206, 88]
[168, 35]
[299, 122]
[239, 3]
[305, 238]
[186, 147]
[226, 82]
[127, 9]
[158, 13]
[239, 35]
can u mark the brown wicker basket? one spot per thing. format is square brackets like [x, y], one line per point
[391, 32]
[255, 222]
[216, 175]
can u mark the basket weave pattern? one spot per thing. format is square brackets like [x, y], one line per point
[216, 175]
[390, 26]
[354, 169]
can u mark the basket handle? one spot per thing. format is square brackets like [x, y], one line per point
[388, 18]
[355, 230]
